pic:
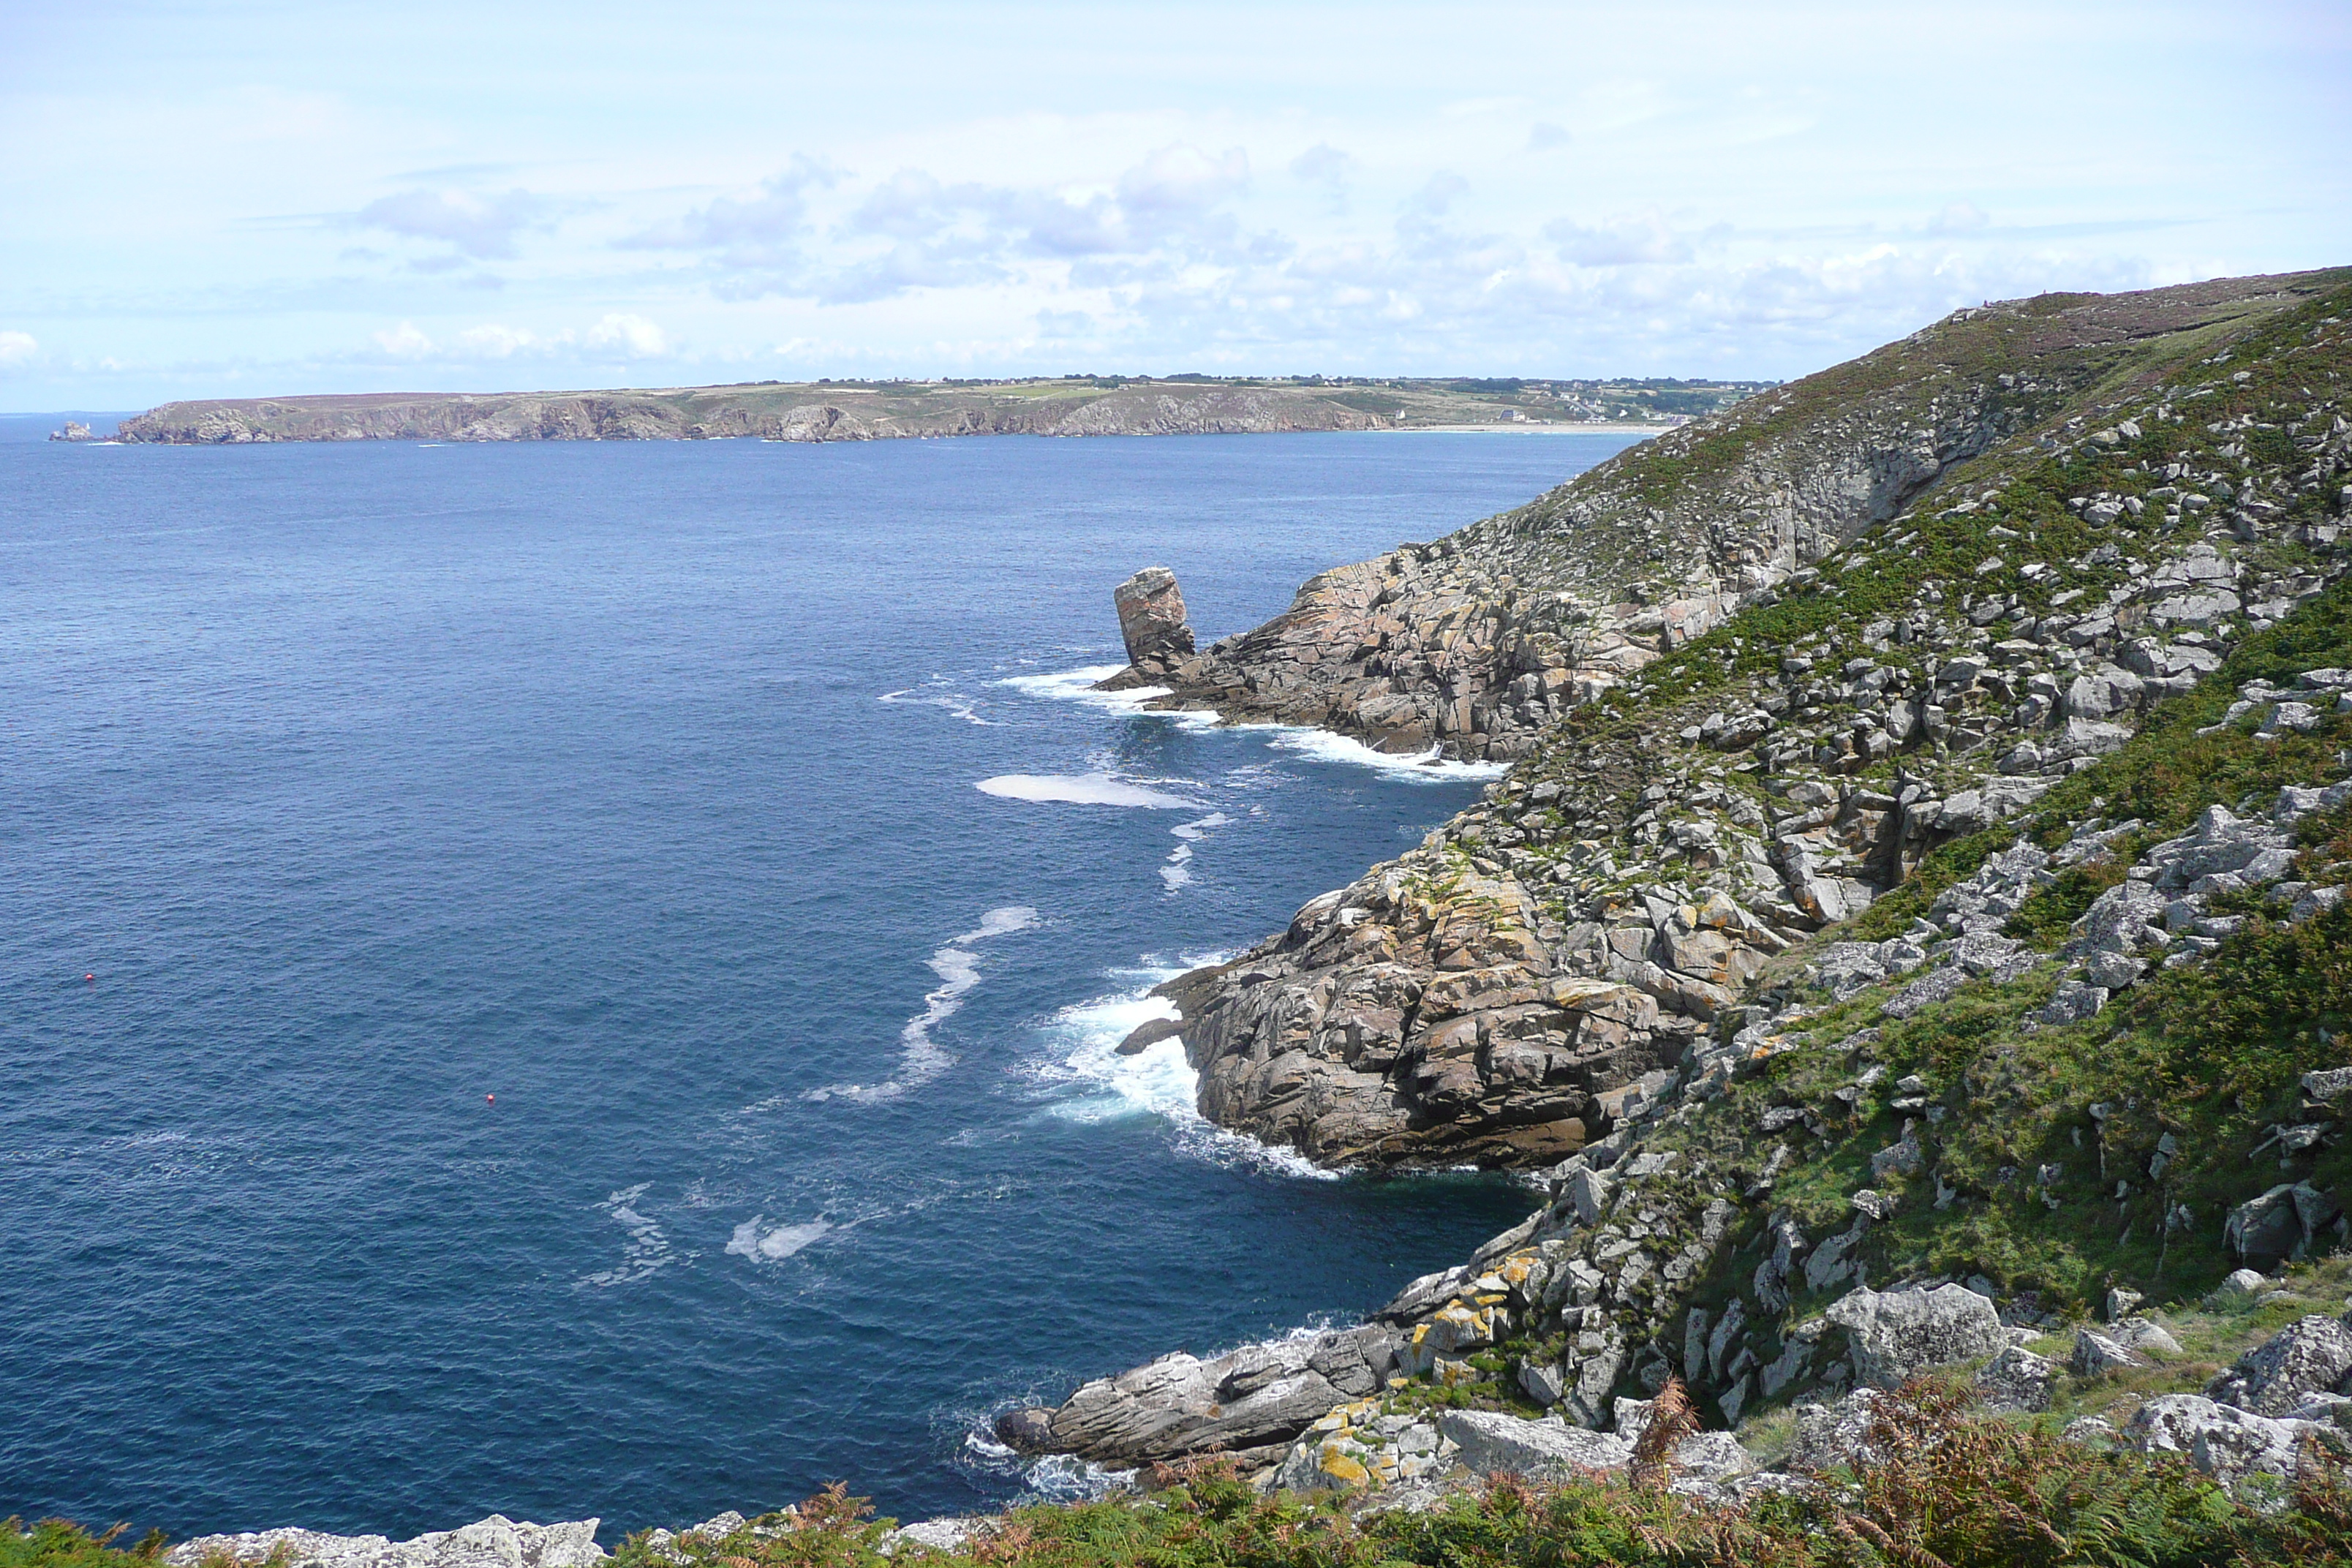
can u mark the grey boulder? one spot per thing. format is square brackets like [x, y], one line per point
[1257, 1395]
[1897, 1333]
[2280, 1226]
[2225, 1442]
[2016, 1380]
[2311, 1355]
[1491, 1441]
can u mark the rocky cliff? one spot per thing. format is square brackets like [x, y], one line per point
[1959, 573]
[1478, 640]
[1951, 891]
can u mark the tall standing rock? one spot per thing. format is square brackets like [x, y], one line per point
[1151, 620]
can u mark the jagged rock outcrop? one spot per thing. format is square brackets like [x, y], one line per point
[1250, 1402]
[1151, 624]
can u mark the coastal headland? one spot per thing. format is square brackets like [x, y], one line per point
[885, 410]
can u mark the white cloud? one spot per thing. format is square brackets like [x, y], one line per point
[490, 340]
[764, 230]
[633, 335]
[483, 227]
[15, 348]
[1545, 137]
[404, 341]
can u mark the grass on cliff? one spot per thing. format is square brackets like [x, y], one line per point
[1941, 550]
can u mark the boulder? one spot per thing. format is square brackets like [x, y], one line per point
[1830, 1435]
[1148, 1033]
[1897, 1333]
[2237, 1290]
[1259, 1395]
[2311, 1355]
[2103, 692]
[2016, 1380]
[1151, 618]
[1492, 1441]
[2280, 1226]
[2225, 1442]
[2144, 1336]
[2096, 1355]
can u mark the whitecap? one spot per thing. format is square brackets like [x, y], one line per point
[1078, 686]
[774, 1245]
[921, 1057]
[1431, 766]
[1081, 789]
[649, 1250]
[1087, 1080]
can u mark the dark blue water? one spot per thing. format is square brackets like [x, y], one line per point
[636, 786]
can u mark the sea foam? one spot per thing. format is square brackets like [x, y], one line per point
[1178, 870]
[1078, 686]
[921, 1057]
[1082, 789]
[775, 1244]
[648, 1251]
[1087, 1080]
[1431, 766]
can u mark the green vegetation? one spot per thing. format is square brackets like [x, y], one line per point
[1944, 1489]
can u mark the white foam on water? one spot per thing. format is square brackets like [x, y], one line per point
[955, 703]
[1082, 789]
[1066, 1479]
[1177, 871]
[1087, 1080]
[777, 1242]
[648, 1251]
[1078, 686]
[921, 1057]
[1431, 766]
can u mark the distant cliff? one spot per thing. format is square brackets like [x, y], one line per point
[769, 413]
[867, 411]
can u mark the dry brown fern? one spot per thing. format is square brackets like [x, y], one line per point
[1673, 1418]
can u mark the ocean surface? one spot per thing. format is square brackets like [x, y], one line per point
[581, 979]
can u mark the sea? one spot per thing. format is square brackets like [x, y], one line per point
[581, 980]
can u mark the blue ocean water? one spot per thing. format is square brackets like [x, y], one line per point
[512, 995]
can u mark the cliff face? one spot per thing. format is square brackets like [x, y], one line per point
[775, 414]
[1476, 642]
[1842, 672]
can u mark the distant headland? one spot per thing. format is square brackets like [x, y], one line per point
[881, 410]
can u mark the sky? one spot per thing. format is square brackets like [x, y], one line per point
[212, 200]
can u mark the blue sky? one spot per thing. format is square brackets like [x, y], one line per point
[216, 200]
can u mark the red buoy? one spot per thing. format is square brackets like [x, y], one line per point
[92, 978]
[491, 1098]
